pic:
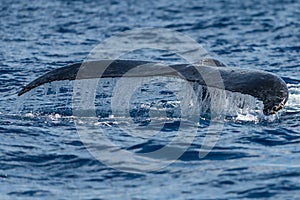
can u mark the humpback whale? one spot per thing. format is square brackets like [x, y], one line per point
[265, 86]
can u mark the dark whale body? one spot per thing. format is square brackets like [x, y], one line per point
[264, 86]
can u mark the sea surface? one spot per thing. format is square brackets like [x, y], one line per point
[44, 154]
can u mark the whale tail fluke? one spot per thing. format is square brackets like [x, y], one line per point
[265, 86]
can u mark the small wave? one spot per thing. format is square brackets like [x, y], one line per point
[293, 103]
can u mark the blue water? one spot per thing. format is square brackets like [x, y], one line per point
[41, 153]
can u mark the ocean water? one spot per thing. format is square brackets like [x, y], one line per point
[45, 155]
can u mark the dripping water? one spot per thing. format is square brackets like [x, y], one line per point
[152, 98]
